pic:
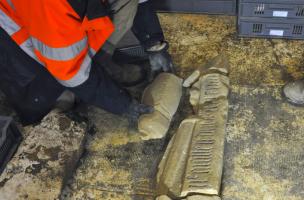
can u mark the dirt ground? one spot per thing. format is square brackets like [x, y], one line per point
[264, 156]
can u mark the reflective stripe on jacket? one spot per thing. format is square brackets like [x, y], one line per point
[57, 35]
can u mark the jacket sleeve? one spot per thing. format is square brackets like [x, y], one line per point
[61, 40]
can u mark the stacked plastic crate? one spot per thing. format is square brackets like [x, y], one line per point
[271, 18]
[226, 7]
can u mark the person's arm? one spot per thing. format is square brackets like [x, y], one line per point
[148, 30]
[64, 40]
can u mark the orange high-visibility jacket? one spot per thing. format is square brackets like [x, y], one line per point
[53, 33]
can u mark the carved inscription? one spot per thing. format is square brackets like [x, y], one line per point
[212, 86]
[205, 162]
[194, 159]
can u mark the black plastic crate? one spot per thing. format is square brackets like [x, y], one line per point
[271, 28]
[292, 9]
[227, 7]
[10, 138]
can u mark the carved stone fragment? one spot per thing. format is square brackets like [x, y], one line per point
[219, 64]
[164, 95]
[203, 173]
[193, 161]
[208, 88]
[172, 168]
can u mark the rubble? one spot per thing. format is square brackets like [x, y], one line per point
[164, 94]
[193, 161]
[45, 159]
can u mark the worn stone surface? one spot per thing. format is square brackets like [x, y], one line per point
[203, 173]
[201, 197]
[164, 95]
[219, 64]
[45, 159]
[117, 165]
[172, 168]
[193, 161]
[209, 87]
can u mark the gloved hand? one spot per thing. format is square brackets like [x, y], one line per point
[160, 59]
[135, 110]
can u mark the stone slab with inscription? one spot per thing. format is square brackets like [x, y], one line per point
[193, 161]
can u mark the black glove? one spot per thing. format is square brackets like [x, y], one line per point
[160, 59]
[135, 110]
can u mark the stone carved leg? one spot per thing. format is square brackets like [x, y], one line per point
[164, 95]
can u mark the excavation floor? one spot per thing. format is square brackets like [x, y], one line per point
[264, 155]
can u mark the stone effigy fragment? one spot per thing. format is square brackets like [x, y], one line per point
[203, 172]
[208, 88]
[193, 161]
[172, 168]
[164, 95]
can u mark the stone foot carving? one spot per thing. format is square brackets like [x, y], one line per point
[164, 95]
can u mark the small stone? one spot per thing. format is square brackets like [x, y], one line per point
[192, 78]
